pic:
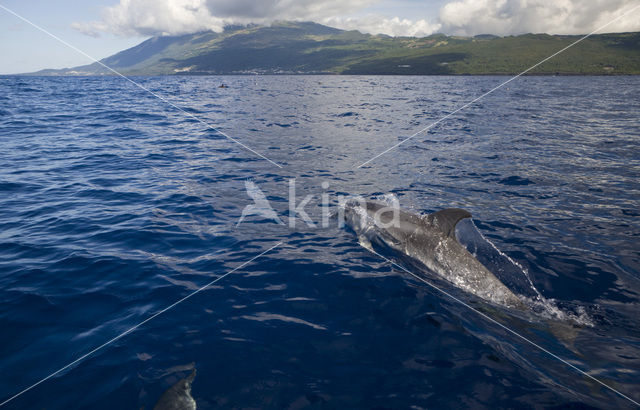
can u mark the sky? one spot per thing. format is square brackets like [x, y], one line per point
[101, 28]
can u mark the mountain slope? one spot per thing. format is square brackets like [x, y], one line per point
[309, 48]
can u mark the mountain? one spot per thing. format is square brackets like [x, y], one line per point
[310, 48]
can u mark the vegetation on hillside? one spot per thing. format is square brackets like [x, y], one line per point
[309, 48]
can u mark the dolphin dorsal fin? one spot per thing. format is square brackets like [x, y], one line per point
[447, 219]
[191, 377]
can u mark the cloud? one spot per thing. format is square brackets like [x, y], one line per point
[154, 17]
[376, 24]
[285, 9]
[173, 17]
[459, 17]
[504, 17]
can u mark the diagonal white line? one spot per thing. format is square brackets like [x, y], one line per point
[498, 87]
[188, 114]
[123, 334]
[492, 320]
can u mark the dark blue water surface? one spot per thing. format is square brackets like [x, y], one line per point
[115, 205]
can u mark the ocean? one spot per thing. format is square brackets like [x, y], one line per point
[116, 204]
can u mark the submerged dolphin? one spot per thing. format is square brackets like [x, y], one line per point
[429, 239]
[178, 396]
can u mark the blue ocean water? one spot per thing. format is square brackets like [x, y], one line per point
[116, 205]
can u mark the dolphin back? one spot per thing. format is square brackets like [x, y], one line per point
[178, 396]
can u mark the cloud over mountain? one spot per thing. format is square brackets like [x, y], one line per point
[376, 24]
[503, 17]
[171, 17]
[461, 17]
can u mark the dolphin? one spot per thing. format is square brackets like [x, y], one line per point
[431, 240]
[178, 396]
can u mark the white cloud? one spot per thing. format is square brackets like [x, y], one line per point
[503, 17]
[154, 17]
[461, 17]
[376, 24]
[172, 17]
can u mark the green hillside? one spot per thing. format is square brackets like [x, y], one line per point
[309, 48]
